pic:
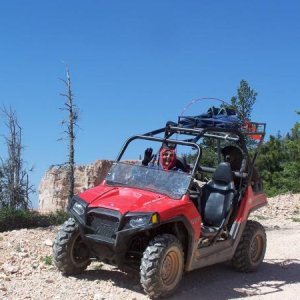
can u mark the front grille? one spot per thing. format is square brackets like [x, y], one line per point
[105, 225]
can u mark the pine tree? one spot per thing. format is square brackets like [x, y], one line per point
[244, 100]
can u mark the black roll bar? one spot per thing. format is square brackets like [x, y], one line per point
[162, 140]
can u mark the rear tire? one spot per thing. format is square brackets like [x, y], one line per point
[162, 266]
[70, 254]
[251, 248]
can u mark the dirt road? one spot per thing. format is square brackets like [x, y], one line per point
[26, 270]
[278, 278]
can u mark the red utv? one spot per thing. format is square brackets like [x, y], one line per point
[164, 223]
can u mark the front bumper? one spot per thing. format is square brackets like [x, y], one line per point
[105, 233]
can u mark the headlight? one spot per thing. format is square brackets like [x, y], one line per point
[78, 208]
[143, 220]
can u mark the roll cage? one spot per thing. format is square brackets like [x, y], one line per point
[176, 134]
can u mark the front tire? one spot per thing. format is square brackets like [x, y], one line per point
[251, 248]
[70, 254]
[162, 266]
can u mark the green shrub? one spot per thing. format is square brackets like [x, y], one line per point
[47, 260]
[11, 219]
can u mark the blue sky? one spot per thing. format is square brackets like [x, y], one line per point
[136, 64]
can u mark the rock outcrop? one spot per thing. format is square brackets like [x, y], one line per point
[53, 189]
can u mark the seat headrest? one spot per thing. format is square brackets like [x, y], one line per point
[223, 173]
[234, 156]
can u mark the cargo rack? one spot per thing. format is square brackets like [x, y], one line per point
[254, 130]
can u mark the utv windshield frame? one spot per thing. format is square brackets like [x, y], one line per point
[162, 140]
[174, 184]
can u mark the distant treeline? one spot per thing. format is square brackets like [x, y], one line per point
[279, 163]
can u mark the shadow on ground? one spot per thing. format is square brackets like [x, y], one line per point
[217, 282]
[222, 282]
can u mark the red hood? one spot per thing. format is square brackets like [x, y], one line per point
[125, 199]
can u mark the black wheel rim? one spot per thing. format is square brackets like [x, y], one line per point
[79, 252]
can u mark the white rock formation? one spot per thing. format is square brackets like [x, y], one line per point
[53, 189]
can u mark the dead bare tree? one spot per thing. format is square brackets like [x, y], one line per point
[14, 183]
[71, 123]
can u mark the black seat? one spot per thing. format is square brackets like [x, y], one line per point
[234, 156]
[216, 205]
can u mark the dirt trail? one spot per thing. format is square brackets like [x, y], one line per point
[278, 278]
[26, 271]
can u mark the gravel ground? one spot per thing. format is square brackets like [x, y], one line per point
[26, 270]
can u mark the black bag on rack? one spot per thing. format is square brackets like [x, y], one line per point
[215, 117]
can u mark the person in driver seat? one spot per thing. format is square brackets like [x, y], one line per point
[167, 158]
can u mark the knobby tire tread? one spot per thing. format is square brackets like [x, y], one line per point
[61, 254]
[150, 265]
[241, 259]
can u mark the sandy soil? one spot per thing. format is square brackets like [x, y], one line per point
[26, 270]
